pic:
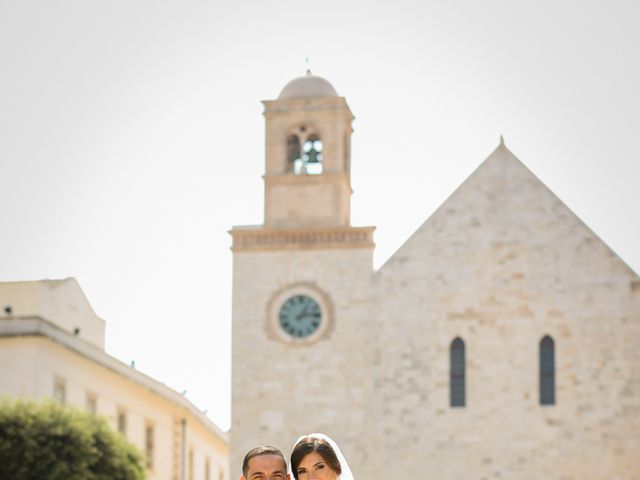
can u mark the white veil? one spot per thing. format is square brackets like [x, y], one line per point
[344, 466]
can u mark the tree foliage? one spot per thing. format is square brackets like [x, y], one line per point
[46, 441]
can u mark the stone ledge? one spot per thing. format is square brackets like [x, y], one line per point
[261, 238]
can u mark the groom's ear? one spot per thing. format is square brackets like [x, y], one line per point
[288, 476]
[242, 477]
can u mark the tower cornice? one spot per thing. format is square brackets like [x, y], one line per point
[259, 238]
[272, 107]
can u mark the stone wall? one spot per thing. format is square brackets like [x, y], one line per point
[282, 390]
[501, 264]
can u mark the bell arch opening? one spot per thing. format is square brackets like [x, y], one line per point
[304, 154]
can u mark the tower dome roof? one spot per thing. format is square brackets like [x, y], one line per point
[308, 86]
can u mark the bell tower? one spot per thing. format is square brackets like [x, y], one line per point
[308, 135]
[301, 284]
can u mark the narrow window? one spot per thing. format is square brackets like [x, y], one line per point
[457, 373]
[312, 155]
[60, 391]
[220, 474]
[294, 159]
[122, 421]
[91, 403]
[191, 469]
[149, 445]
[547, 371]
[207, 469]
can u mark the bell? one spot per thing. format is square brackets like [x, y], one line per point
[313, 156]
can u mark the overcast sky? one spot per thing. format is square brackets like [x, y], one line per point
[132, 135]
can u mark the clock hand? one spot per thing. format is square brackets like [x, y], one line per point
[304, 312]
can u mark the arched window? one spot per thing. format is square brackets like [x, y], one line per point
[457, 393]
[294, 160]
[312, 155]
[547, 371]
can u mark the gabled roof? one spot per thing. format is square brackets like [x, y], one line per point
[501, 201]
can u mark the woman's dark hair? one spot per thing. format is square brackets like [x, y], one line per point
[306, 445]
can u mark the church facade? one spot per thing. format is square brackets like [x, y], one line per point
[502, 340]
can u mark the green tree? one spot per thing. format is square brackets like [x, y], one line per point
[46, 441]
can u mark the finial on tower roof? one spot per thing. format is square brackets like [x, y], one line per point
[502, 141]
[306, 62]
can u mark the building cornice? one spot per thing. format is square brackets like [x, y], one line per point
[259, 238]
[338, 104]
[32, 326]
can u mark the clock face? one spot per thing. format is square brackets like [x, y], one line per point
[300, 316]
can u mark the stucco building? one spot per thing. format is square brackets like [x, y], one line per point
[52, 346]
[502, 340]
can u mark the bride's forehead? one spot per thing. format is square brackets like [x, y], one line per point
[312, 458]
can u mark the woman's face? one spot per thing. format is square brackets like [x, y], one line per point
[313, 467]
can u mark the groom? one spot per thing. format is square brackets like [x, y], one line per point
[264, 463]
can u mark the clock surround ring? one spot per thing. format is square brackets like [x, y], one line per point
[306, 289]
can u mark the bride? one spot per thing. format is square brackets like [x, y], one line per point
[317, 457]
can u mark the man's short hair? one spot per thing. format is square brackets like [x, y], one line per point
[264, 450]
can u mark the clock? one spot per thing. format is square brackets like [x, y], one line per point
[300, 316]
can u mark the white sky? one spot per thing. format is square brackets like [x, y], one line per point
[131, 139]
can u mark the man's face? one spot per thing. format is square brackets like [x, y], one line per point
[266, 467]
